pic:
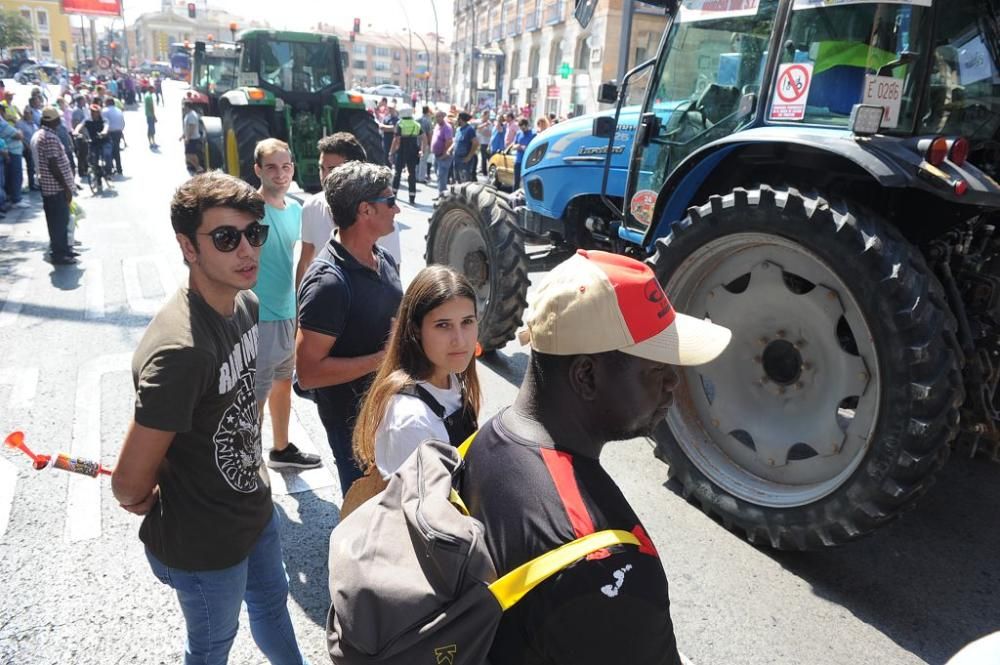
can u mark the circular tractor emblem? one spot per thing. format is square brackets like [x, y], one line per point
[642, 205]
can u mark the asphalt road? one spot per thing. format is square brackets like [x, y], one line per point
[76, 588]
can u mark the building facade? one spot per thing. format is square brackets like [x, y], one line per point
[152, 33]
[53, 39]
[534, 54]
[404, 59]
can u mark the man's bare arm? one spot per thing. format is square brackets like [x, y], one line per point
[134, 479]
[316, 369]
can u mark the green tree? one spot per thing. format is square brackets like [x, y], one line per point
[15, 30]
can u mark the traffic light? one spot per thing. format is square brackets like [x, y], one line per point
[352, 35]
[192, 10]
[357, 26]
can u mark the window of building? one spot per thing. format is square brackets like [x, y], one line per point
[555, 56]
[381, 66]
[26, 15]
[513, 14]
[554, 11]
[552, 105]
[515, 65]
[382, 52]
[360, 49]
[531, 14]
[360, 64]
[533, 58]
[44, 46]
[43, 19]
[582, 54]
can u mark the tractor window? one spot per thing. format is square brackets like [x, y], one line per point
[217, 73]
[849, 53]
[963, 98]
[300, 66]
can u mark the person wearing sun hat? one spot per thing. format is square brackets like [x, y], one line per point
[604, 343]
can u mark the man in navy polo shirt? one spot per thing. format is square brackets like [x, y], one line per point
[347, 300]
[465, 148]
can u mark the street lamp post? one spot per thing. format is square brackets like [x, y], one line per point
[472, 54]
[437, 52]
[427, 58]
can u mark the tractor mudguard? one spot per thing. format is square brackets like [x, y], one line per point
[249, 97]
[567, 160]
[214, 142]
[890, 162]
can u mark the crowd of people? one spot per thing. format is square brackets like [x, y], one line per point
[387, 370]
[452, 146]
[71, 127]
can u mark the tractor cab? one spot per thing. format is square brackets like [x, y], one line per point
[291, 65]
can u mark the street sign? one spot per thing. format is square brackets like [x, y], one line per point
[104, 62]
[553, 91]
[791, 92]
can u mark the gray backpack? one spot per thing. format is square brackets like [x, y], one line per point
[411, 579]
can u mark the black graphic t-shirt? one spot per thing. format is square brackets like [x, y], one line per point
[613, 606]
[194, 375]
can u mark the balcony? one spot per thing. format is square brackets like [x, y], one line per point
[554, 12]
[531, 22]
[497, 33]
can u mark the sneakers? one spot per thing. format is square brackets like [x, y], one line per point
[22, 205]
[292, 458]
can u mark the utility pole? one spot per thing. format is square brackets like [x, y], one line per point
[93, 43]
[472, 54]
[628, 11]
[437, 51]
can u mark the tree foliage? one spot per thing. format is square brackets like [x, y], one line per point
[15, 30]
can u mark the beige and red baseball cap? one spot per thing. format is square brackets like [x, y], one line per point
[597, 301]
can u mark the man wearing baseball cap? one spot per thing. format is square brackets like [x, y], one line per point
[604, 343]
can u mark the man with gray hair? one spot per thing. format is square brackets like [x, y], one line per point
[346, 303]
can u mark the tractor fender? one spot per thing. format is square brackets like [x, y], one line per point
[211, 128]
[890, 161]
[237, 97]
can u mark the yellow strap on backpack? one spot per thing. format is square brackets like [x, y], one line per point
[511, 587]
[514, 585]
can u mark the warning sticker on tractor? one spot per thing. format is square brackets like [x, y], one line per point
[816, 4]
[791, 91]
[706, 10]
[642, 205]
[887, 92]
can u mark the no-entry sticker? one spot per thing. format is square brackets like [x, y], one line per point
[791, 91]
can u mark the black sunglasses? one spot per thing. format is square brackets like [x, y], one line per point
[227, 238]
[388, 200]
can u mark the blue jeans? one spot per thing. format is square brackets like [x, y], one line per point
[14, 177]
[210, 601]
[339, 436]
[443, 166]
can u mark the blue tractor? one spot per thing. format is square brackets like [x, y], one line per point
[820, 177]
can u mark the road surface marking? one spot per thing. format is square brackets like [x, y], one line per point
[83, 505]
[93, 277]
[15, 297]
[137, 301]
[23, 382]
[8, 479]
[293, 481]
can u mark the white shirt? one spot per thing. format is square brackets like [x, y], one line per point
[408, 422]
[114, 118]
[191, 129]
[317, 225]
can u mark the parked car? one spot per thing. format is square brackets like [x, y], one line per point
[387, 90]
[501, 168]
[38, 73]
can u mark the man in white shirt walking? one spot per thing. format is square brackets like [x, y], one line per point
[114, 119]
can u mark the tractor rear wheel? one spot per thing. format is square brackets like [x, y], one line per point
[833, 406]
[475, 232]
[242, 128]
[365, 130]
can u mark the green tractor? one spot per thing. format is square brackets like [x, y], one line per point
[290, 86]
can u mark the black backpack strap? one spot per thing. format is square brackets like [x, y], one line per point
[421, 393]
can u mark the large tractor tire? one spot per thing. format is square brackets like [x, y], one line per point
[242, 128]
[833, 406]
[475, 232]
[366, 131]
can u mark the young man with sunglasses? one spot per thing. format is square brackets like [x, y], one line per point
[275, 289]
[347, 301]
[191, 459]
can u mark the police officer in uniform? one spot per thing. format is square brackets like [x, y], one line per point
[406, 150]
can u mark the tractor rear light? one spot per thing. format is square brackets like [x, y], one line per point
[256, 94]
[959, 152]
[960, 187]
[356, 99]
[937, 151]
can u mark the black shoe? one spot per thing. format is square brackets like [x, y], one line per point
[413, 200]
[292, 458]
[63, 261]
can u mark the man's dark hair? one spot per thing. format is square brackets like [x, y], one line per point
[425, 110]
[214, 189]
[343, 144]
[464, 116]
[349, 185]
[109, 101]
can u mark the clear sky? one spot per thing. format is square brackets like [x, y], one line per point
[380, 15]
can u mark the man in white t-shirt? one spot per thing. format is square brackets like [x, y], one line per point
[317, 221]
[193, 146]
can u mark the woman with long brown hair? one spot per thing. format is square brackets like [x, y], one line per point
[426, 387]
